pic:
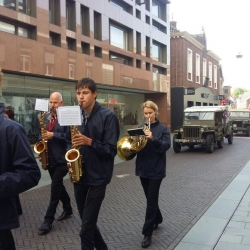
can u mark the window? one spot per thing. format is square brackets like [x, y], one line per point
[23, 6]
[25, 63]
[71, 71]
[70, 15]
[85, 20]
[159, 52]
[71, 43]
[147, 66]
[189, 64]
[86, 48]
[159, 70]
[147, 46]
[118, 58]
[121, 37]
[159, 10]
[54, 13]
[55, 39]
[98, 52]
[138, 43]
[204, 69]
[122, 5]
[159, 27]
[215, 77]
[147, 19]
[97, 26]
[210, 71]
[197, 68]
[138, 64]
[20, 30]
[138, 14]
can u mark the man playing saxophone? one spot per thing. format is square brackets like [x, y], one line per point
[55, 135]
[97, 140]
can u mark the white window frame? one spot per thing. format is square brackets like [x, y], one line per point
[189, 64]
[204, 70]
[210, 71]
[198, 68]
[25, 63]
[71, 71]
[215, 77]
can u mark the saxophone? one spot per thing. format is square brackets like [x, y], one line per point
[41, 147]
[74, 159]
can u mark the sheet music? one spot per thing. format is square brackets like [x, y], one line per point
[69, 115]
[42, 105]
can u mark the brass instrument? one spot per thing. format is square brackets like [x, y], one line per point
[74, 159]
[129, 146]
[41, 147]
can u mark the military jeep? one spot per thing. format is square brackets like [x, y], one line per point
[240, 119]
[203, 126]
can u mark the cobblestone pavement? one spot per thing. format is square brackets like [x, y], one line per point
[194, 180]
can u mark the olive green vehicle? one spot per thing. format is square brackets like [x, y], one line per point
[240, 119]
[203, 126]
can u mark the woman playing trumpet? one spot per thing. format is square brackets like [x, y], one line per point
[151, 167]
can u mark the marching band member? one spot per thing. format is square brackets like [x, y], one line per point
[57, 146]
[151, 167]
[97, 140]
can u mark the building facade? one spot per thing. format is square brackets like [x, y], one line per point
[47, 45]
[196, 75]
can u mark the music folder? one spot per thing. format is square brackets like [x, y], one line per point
[135, 131]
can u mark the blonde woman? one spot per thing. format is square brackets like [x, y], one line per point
[151, 167]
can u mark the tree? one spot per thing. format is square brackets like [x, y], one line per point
[238, 91]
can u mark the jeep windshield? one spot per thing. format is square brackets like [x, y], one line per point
[239, 114]
[199, 116]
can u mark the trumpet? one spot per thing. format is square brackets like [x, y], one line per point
[129, 146]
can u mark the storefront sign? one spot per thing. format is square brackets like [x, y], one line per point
[190, 91]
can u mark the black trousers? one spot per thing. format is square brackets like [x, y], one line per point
[6, 240]
[153, 215]
[58, 192]
[89, 200]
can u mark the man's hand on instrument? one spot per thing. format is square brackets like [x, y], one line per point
[47, 135]
[80, 139]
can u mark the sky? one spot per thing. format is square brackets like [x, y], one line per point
[227, 27]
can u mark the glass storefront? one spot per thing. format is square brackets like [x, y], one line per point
[21, 93]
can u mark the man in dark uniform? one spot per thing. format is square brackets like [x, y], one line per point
[57, 146]
[97, 140]
[18, 172]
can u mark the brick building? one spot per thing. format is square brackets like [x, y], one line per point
[47, 45]
[196, 74]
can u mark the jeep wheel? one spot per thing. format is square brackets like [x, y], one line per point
[248, 131]
[220, 144]
[230, 138]
[176, 145]
[210, 143]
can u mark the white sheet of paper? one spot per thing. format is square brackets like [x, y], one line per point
[42, 105]
[69, 115]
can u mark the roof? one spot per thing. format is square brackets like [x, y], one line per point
[205, 108]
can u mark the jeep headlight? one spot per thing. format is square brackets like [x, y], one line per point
[181, 130]
[235, 125]
[202, 130]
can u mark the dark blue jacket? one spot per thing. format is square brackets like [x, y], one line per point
[151, 160]
[57, 146]
[98, 160]
[18, 169]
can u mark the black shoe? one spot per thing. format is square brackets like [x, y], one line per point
[64, 215]
[146, 242]
[45, 227]
[155, 226]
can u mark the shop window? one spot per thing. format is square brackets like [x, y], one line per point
[54, 12]
[159, 26]
[189, 64]
[198, 104]
[122, 5]
[70, 15]
[204, 104]
[121, 36]
[190, 104]
[98, 52]
[71, 43]
[97, 26]
[55, 39]
[86, 48]
[118, 58]
[138, 43]
[159, 52]
[85, 20]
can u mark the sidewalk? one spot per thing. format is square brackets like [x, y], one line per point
[226, 224]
